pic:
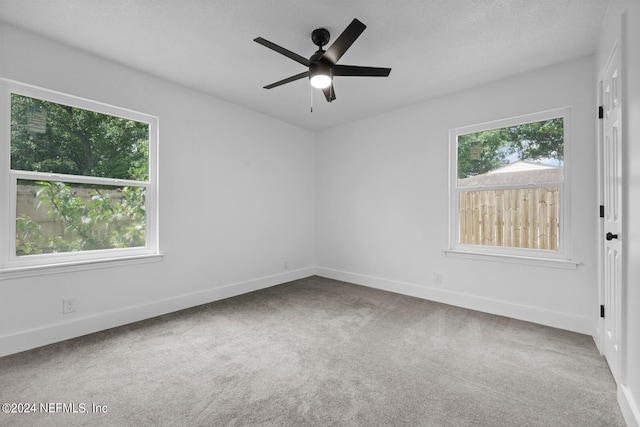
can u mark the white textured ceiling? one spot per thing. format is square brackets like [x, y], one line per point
[433, 46]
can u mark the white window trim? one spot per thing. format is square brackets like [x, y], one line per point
[12, 266]
[560, 258]
[68, 267]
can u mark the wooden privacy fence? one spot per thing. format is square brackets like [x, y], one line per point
[521, 218]
[27, 204]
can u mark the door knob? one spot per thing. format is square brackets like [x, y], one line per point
[611, 236]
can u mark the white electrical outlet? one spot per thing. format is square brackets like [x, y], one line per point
[68, 305]
[437, 277]
[286, 265]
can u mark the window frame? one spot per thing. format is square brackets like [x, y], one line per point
[513, 254]
[9, 261]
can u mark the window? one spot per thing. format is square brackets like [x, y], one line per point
[79, 178]
[510, 187]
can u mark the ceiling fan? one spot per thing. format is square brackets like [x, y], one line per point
[322, 64]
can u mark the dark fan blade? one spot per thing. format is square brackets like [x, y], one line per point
[288, 80]
[329, 93]
[344, 41]
[354, 70]
[301, 59]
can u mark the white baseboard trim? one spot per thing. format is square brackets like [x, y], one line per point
[49, 334]
[629, 406]
[583, 325]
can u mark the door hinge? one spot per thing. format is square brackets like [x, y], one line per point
[600, 112]
[601, 211]
[602, 311]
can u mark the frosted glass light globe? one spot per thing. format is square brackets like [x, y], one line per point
[320, 81]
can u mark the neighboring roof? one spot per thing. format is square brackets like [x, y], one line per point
[519, 172]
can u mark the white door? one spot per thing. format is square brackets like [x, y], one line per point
[612, 192]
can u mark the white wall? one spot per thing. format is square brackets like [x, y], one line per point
[382, 202]
[237, 199]
[622, 23]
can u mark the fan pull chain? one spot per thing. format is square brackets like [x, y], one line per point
[311, 89]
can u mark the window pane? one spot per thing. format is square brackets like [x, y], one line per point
[526, 153]
[61, 217]
[55, 138]
[520, 218]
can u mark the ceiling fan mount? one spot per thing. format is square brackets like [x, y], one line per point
[322, 65]
[320, 37]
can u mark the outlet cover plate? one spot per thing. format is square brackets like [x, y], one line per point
[68, 305]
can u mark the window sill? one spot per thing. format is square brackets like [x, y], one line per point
[68, 267]
[515, 259]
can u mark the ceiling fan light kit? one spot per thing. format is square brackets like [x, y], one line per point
[320, 75]
[322, 65]
[320, 81]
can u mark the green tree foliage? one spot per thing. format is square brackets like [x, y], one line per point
[484, 151]
[85, 143]
[106, 219]
[78, 142]
[481, 152]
